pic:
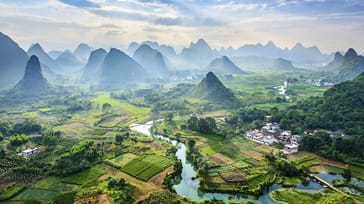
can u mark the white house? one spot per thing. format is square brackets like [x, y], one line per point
[28, 152]
[290, 148]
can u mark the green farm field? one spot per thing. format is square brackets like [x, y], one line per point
[145, 167]
[84, 176]
[34, 194]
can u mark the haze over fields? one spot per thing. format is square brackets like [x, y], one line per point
[182, 101]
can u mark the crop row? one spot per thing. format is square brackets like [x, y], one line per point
[145, 167]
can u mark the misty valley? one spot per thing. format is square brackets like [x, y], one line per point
[150, 124]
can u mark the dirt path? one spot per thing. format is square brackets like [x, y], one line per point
[103, 199]
[331, 163]
[158, 178]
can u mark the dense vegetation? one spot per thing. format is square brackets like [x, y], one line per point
[79, 157]
[339, 108]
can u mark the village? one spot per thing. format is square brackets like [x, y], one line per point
[271, 133]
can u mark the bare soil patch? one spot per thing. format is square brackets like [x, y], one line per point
[76, 125]
[158, 178]
[103, 199]
[221, 159]
[267, 149]
[318, 168]
[253, 154]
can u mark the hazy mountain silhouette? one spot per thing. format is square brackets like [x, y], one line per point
[54, 54]
[119, 68]
[347, 67]
[199, 53]
[93, 66]
[33, 82]
[82, 52]
[47, 63]
[152, 60]
[281, 64]
[336, 63]
[268, 50]
[68, 62]
[298, 54]
[166, 50]
[211, 89]
[12, 61]
[223, 65]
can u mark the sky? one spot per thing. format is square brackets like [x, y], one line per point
[62, 24]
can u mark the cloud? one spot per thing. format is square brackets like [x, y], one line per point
[233, 5]
[157, 19]
[80, 3]
[168, 21]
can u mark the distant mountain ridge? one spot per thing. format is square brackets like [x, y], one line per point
[281, 64]
[68, 61]
[152, 60]
[346, 67]
[212, 89]
[93, 65]
[223, 65]
[82, 52]
[298, 54]
[12, 61]
[47, 63]
[33, 82]
[118, 68]
[166, 50]
[199, 53]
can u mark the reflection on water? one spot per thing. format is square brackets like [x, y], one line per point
[188, 187]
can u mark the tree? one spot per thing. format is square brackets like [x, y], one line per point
[5, 127]
[203, 126]
[211, 123]
[26, 127]
[2, 153]
[118, 139]
[347, 174]
[169, 117]
[193, 123]
[106, 107]
[17, 140]
[190, 144]
[50, 138]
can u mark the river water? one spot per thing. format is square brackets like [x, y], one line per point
[188, 187]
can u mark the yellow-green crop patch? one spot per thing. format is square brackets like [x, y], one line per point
[31, 194]
[145, 167]
[84, 176]
[294, 196]
[241, 165]
[11, 192]
[309, 163]
[135, 113]
[207, 150]
[124, 158]
[54, 184]
[333, 169]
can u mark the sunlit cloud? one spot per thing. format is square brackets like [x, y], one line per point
[60, 24]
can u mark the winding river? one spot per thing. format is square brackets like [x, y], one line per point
[188, 187]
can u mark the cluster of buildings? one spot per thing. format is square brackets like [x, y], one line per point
[271, 133]
[318, 82]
